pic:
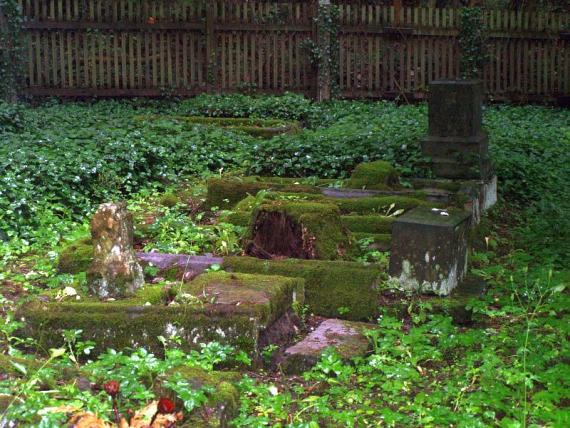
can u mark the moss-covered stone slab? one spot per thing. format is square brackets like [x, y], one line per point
[303, 230]
[378, 175]
[234, 309]
[368, 223]
[429, 250]
[346, 337]
[380, 204]
[331, 287]
[224, 193]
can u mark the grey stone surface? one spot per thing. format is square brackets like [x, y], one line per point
[429, 250]
[346, 337]
[456, 142]
[455, 108]
[115, 271]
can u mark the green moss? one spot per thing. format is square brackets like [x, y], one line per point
[368, 223]
[76, 257]
[318, 225]
[235, 320]
[329, 285]
[378, 175]
[237, 218]
[380, 205]
[169, 200]
[226, 192]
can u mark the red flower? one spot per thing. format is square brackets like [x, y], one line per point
[165, 405]
[112, 387]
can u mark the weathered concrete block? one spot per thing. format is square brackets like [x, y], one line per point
[346, 337]
[429, 250]
[115, 271]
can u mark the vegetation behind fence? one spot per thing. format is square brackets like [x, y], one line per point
[155, 47]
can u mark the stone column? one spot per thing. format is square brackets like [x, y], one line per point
[115, 271]
[456, 142]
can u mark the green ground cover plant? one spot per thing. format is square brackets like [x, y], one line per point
[507, 368]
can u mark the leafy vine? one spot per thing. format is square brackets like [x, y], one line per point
[12, 52]
[472, 42]
[324, 52]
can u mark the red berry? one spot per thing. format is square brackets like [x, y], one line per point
[112, 387]
[165, 405]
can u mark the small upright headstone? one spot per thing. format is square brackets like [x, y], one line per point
[456, 142]
[115, 271]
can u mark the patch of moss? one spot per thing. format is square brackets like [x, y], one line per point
[368, 223]
[224, 193]
[316, 227]
[371, 205]
[237, 218]
[76, 257]
[379, 175]
[138, 321]
[329, 285]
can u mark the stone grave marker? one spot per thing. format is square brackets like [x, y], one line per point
[115, 271]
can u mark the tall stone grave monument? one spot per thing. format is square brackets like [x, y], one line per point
[456, 142]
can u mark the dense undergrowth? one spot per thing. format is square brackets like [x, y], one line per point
[508, 368]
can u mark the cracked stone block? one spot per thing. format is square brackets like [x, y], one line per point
[115, 271]
[346, 337]
[429, 250]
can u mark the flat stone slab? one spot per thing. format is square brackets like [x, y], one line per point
[233, 309]
[346, 337]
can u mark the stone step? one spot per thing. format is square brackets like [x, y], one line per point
[233, 309]
[346, 337]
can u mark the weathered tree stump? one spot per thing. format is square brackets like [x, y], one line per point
[303, 230]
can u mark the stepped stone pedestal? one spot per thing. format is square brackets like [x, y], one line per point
[456, 142]
[429, 250]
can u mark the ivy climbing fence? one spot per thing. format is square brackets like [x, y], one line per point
[186, 47]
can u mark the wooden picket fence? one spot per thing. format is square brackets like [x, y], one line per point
[182, 47]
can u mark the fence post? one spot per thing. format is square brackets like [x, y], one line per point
[323, 38]
[9, 54]
[211, 56]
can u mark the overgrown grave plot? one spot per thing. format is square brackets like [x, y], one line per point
[261, 128]
[306, 232]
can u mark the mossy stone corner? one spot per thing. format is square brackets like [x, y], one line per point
[347, 338]
[233, 309]
[329, 285]
[115, 271]
[303, 230]
[378, 175]
[429, 250]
